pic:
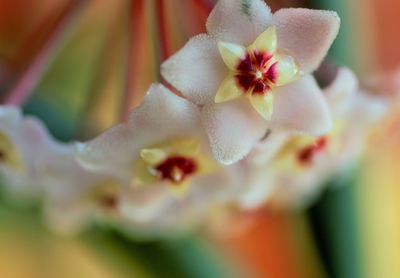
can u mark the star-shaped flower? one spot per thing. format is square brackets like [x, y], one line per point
[168, 175]
[302, 166]
[250, 73]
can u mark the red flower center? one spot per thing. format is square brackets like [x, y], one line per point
[256, 73]
[307, 154]
[176, 168]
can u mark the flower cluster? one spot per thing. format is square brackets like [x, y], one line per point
[247, 125]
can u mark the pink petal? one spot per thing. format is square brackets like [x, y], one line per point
[307, 34]
[300, 106]
[233, 129]
[196, 70]
[238, 21]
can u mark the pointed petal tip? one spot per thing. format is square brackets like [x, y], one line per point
[310, 42]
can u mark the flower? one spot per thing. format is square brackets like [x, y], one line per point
[302, 166]
[24, 146]
[250, 73]
[168, 177]
[34, 164]
[74, 197]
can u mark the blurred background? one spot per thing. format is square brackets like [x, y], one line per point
[81, 66]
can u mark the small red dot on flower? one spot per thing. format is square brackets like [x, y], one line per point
[176, 168]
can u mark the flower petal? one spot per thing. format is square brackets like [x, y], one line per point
[196, 70]
[267, 41]
[10, 113]
[161, 116]
[111, 147]
[258, 186]
[263, 104]
[307, 34]
[144, 204]
[268, 147]
[228, 90]
[344, 85]
[239, 21]
[300, 106]
[231, 54]
[232, 128]
[287, 69]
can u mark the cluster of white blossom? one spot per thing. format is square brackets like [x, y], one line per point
[247, 125]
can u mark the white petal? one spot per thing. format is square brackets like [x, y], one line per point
[233, 129]
[267, 148]
[111, 152]
[258, 186]
[161, 116]
[342, 88]
[196, 70]
[300, 106]
[307, 34]
[143, 204]
[10, 113]
[239, 21]
[164, 115]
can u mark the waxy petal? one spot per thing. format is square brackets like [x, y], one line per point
[267, 41]
[263, 104]
[228, 90]
[153, 156]
[161, 116]
[287, 69]
[300, 106]
[343, 86]
[196, 70]
[238, 21]
[307, 34]
[233, 128]
[231, 54]
[145, 203]
[112, 146]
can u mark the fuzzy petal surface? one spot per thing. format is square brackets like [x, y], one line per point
[307, 34]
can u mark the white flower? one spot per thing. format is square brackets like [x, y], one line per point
[24, 146]
[250, 73]
[74, 197]
[33, 164]
[169, 179]
[302, 166]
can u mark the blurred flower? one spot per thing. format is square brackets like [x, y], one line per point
[301, 167]
[75, 197]
[169, 179]
[248, 51]
[24, 147]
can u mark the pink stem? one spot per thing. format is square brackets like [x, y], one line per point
[20, 93]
